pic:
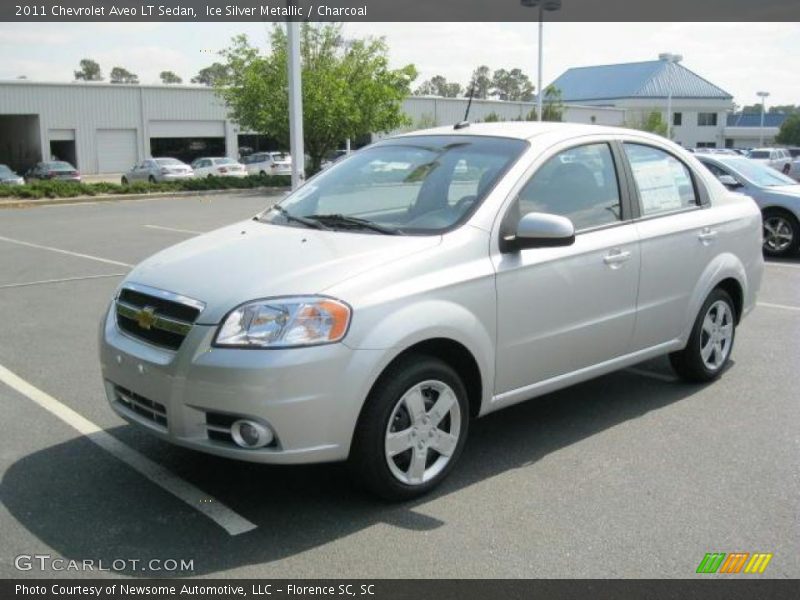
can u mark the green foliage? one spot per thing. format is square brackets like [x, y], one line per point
[169, 77]
[439, 86]
[493, 117]
[214, 74]
[70, 189]
[789, 133]
[512, 85]
[121, 75]
[553, 105]
[482, 82]
[653, 123]
[349, 91]
[426, 121]
[90, 71]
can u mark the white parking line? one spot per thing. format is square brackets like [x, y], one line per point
[652, 374]
[65, 279]
[781, 306]
[223, 516]
[782, 265]
[67, 252]
[192, 231]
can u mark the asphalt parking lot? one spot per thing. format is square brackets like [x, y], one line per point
[631, 475]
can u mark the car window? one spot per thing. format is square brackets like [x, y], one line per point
[665, 184]
[715, 170]
[579, 183]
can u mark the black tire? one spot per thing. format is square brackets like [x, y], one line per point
[787, 169]
[151, 179]
[368, 463]
[790, 223]
[688, 363]
[124, 181]
[262, 174]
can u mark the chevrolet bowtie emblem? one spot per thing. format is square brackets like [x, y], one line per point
[146, 317]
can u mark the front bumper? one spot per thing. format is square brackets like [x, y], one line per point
[310, 397]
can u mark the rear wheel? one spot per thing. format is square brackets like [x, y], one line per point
[124, 181]
[781, 231]
[263, 173]
[787, 169]
[412, 429]
[151, 179]
[711, 341]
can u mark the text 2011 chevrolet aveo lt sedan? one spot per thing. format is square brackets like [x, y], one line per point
[426, 280]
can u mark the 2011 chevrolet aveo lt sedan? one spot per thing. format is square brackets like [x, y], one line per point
[426, 280]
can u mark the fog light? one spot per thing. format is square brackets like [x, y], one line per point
[249, 434]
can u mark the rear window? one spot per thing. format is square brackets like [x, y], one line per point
[758, 154]
[168, 161]
[60, 166]
[225, 161]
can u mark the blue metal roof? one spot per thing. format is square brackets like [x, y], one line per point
[754, 119]
[651, 79]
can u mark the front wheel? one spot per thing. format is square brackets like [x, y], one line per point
[780, 233]
[412, 429]
[151, 179]
[711, 341]
[124, 181]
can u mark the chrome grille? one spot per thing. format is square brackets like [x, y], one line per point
[156, 316]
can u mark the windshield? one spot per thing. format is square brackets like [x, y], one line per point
[758, 154]
[412, 185]
[279, 156]
[169, 161]
[757, 173]
[5, 171]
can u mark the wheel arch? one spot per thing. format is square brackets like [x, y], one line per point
[726, 271]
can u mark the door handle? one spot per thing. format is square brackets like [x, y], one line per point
[707, 235]
[616, 257]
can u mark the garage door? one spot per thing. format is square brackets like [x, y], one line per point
[116, 150]
[186, 129]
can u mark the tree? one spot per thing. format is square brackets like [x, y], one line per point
[653, 123]
[90, 71]
[481, 82]
[349, 90]
[439, 86]
[789, 133]
[512, 85]
[121, 75]
[168, 77]
[493, 117]
[552, 104]
[212, 75]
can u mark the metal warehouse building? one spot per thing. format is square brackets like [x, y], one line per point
[107, 128]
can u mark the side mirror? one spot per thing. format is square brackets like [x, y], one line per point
[540, 230]
[729, 181]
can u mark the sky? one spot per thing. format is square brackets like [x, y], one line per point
[741, 58]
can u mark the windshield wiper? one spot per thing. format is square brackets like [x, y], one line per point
[338, 219]
[302, 220]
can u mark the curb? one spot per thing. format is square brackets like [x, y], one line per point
[31, 202]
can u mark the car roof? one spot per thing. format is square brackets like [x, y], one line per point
[526, 130]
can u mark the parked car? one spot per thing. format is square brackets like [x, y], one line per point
[9, 177]
[370, 315]
[268, 163]
[332, 157]
[777, 195]
[777, 158]
[157, 170]
[53, 169]
[218, 167]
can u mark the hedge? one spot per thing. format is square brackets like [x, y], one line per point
[71, 189]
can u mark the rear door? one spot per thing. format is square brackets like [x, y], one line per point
[678, 232]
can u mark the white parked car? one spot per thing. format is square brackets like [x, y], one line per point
[370, 315]
[777, 158]
[268, 163]
[218, 167]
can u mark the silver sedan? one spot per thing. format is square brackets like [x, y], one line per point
[156, 170]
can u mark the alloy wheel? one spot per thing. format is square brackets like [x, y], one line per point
[423, 432]
[778, 234]
[716, 335]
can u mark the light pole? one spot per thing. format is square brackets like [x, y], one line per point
[670, 59]
[543, 5]
[295, 104]
[763, 96]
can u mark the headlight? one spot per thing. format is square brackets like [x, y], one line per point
[285, 322]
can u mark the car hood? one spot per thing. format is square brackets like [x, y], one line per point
[252, 260]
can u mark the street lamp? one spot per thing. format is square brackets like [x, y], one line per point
[670, 59]
[543, 5]
[763, 96]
